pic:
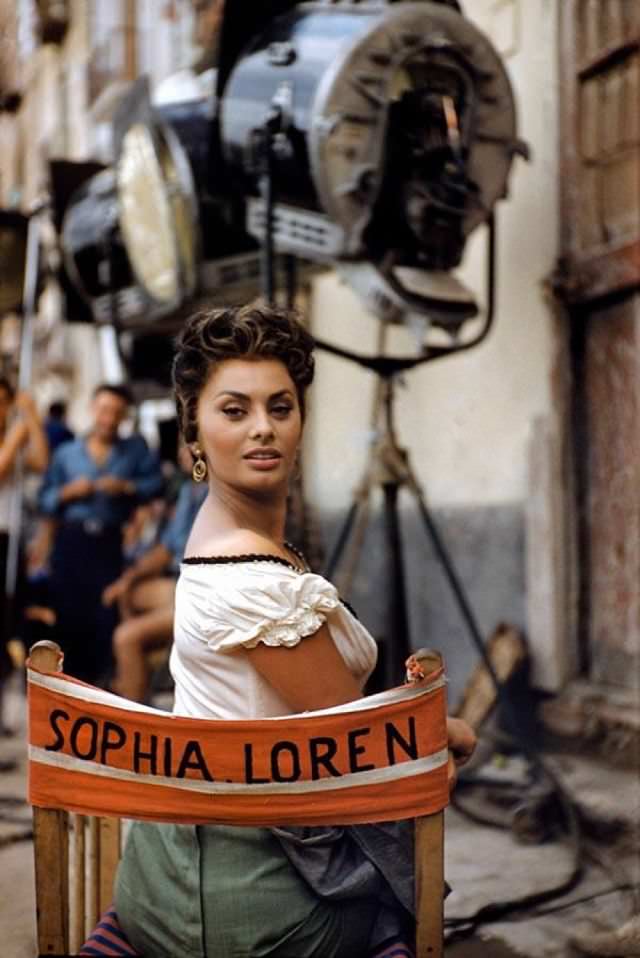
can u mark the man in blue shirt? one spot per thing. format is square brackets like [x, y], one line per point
[145, 593]
[90, 489]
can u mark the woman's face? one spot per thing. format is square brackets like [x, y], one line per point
[249, 424]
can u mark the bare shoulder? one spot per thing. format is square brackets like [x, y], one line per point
[237, 542]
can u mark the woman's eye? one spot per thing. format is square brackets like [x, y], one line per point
[282, 410]
[233, 412]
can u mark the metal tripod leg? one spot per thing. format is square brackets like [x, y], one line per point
[389, 468]
[356, 518]
[385, 469]
[450, 572]
[398, 644]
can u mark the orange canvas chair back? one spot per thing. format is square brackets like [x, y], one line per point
[94, 758]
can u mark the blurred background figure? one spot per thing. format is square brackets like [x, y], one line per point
[55, 425]
[92, 487]
[21, 432]
[145, 593]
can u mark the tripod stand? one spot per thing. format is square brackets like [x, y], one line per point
[389, 468]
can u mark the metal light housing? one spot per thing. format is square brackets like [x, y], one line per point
[393, 131]
[157, 207]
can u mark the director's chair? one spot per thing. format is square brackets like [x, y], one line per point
[76, 854]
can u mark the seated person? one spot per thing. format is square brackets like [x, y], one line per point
[145, 594]
[259, 635]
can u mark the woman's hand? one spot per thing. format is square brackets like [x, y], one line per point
[117, 591]
[39, 547]
[114, 486]
[461, 740]
[80, 488]
[25, 402]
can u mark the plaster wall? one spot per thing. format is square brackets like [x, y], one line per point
[466, 419]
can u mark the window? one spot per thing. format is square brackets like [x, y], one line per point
[113, 42]
[601, 146]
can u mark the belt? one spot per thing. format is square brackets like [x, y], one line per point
[92, 527]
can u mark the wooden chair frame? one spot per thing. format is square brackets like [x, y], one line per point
[76, 858]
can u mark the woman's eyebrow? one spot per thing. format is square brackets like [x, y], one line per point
[233, 393]
[281, 392]
[238, 395]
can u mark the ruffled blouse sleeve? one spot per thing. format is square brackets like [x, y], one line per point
[279, 608]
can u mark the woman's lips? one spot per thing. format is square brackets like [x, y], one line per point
[264, 460]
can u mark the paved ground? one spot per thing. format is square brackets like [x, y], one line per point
[483, 865]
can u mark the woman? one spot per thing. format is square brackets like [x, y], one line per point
[256, 635]
[20, 432]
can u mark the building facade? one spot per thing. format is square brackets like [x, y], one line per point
[527, 446]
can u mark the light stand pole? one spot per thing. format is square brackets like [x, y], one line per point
[389, 465]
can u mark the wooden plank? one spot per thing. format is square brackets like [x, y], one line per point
[507, 653]
[52, 880]
[51, 854]
[593, 276]
[429, 866]
[92, 908]
[429, 861]
[77, 932]
[109, 858]
[600, 174]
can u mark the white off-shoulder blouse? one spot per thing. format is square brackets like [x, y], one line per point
[225, 605]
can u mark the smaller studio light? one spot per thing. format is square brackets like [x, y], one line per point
[148, 234]
[157, 212]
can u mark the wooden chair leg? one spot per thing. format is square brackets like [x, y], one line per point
[429, 865]
[110, 830]
[50, 835]
[77, 932]
[50, 827]
[92, 908]
[104, 854]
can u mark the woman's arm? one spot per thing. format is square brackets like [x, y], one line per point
[311, 675]
[11, 445]
[153, 562]
[39, 547]
[37, 453]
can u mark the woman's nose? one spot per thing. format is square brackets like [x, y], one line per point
[261, 426]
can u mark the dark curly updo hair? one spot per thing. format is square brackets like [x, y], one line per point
[237, 332]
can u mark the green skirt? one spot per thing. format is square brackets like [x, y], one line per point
[226, 892]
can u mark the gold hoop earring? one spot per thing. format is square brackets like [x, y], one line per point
[199, 471]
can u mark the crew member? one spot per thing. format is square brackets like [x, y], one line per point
[90, 489]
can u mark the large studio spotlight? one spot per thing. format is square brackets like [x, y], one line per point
[379, 133]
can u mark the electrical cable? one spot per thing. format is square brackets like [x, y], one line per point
[494, 911]
[554, 909]
[466, 926]
[7, 840]
[13, 802]
[543, 912]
